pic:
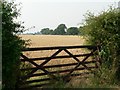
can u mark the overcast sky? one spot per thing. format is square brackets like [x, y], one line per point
[51, 13]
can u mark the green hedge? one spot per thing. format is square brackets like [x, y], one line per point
[104, 30]
[11, 45]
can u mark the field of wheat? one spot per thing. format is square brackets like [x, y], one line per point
[54, 40]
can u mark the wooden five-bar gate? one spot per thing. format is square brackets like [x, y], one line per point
[39, 73]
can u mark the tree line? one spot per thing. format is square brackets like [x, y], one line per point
[60, 30]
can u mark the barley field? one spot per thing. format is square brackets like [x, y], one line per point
[53, 40]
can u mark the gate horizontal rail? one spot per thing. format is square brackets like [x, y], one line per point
[59, 47]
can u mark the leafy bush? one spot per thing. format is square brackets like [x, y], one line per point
[11, 44]
[24, 65]
[104, 30]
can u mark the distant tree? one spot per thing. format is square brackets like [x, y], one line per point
[72, 31]
[60, 30]
[51, 32]
[45, 31]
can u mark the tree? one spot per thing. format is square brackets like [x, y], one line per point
[60, 30]
[51, 32]
[104, 30]
[72, 31]
[11, 45]
[46, 31]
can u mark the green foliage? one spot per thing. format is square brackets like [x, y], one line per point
[11, 45]
[58, 84]
[103, 78]
[104, 30]
[72, 31]
[24, 65]
[60, 30]
[46, 31]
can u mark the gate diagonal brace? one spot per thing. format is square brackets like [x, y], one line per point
[79, 63]
[48, 59]
[41, 65]
[38, 67]
[70, 54]
[27, 59]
